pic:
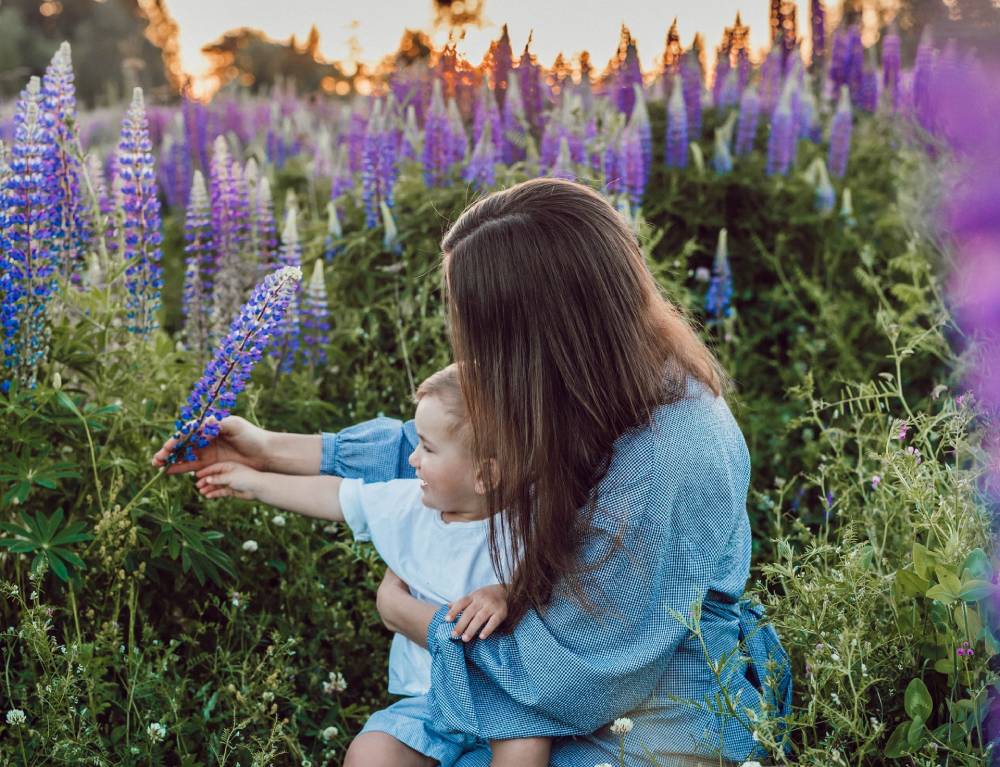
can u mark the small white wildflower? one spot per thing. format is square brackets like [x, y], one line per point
[335, 683]
[834, 657]
[16, 717]
[278, 520]
[622, 726]
[701, 274]
[156, 732]
[331, 528]
[329, 734]
[250, 545]
[835, 698]
[267, 696]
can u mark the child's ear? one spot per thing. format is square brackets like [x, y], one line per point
[489, 481]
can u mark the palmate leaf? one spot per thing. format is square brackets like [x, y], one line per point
[50, 542]
[29, 471]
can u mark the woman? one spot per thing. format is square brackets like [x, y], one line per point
[617, 469]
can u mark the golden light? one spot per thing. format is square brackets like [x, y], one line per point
[50, 8]
[343, 88]
[363, 86]
[328, 84]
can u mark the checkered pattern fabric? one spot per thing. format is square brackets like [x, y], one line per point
[676, 492]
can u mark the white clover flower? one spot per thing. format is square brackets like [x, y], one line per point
[278, 520]
[335, 683]
[329, 734]
[16, 717]
[622, 726]
[156, 732]
[250, 545]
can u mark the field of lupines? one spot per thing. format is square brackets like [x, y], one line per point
[827, 221]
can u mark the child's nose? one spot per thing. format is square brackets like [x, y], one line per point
[412, 460]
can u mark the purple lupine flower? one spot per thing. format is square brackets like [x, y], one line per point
[29, 228]
[515, 125]
[718, 299]
[315, 320]
[722, 159]
[840, 135]
[267, 229]
[923, 73]
[840, 59]
[782, 141]
[501, 58]
[230, 215]
[288, 332]
[692, 86]
[487, 113]
[855, 61]
[729, 96]
[743, 67]
[59, 113]
[891, 68]
[435, 154]
[723, 68]
[214, 395]
[481, 170]
[528, 75]
[746, 128]
[612, 160]
[357, 129]
[141, 219]
[817, 17]
[195, 117]
[341, 181]
[640, 118]
[369, 166]
[628, 76]
[411, 142]
[199, 250]
[458, 139]
[808, 118]
[175, 171]
[677, 135]
[634, 176]
[771, 73]
[334, 233]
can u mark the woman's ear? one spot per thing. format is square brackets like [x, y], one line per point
[492, 478]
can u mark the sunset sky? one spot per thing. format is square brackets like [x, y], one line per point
[569, 26]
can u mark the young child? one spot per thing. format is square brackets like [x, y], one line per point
[431, 531]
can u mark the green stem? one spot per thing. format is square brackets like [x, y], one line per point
[160, 472]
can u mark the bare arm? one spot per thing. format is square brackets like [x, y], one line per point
[294, 453]
[317, 496]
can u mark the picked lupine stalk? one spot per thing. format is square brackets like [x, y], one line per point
[677, 131]
[141, 219]
[214, 395]
[29, 225]
[840, 135]
[718, 299]
[315, 319]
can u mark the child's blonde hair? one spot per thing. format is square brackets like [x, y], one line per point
[446, 387]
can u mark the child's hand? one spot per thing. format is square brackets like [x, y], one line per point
[228, 478]
[487, 605]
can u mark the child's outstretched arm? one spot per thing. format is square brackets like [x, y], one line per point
[316, 496]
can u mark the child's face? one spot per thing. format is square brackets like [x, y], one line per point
[443, 462]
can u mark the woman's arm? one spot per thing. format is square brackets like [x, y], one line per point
[400, 611]
[294, 453]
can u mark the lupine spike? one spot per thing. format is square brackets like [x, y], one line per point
[267, 230]
[250, 334]
[640, 118]
[515, 124]
[288, 337]
[718, 299]
[746, 129]
[390, 240]
[199, 248]
[677, 135]
[782, 140]
[230, 211]
[840, 135]
[435, 155]
[890, 68]
[563, 167]
[334, 232]
[141, 219]
[481, 171]
[722, 160]
[315, 319]
[29, 225]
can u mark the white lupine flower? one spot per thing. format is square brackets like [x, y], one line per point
[278, 520]
[156, 732]
[329, 734]
[16, 717]
[250, 545]
[622, 726]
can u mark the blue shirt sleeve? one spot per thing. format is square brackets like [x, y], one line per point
[680, 497]
[375, 450]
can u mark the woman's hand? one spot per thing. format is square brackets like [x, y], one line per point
[221, 480]
[484, 608]
[239, 441]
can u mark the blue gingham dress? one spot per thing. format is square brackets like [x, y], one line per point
[679, 485]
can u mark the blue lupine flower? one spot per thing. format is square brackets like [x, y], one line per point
[288, 332]
[59, 113]
[199, 248]
[481, 170]
[782, 141]
[29, 230]
[808, 121]
[722, 160]
[746, 128]
[315, 319]
[334, 232]
[677, 132]
[840, 135]
[825, 197]
[718, 299]
[855, 61]
[839, 59]
[226, 375]
[435, 154]
[141, 219]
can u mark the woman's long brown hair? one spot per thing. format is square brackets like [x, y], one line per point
[564, 343]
